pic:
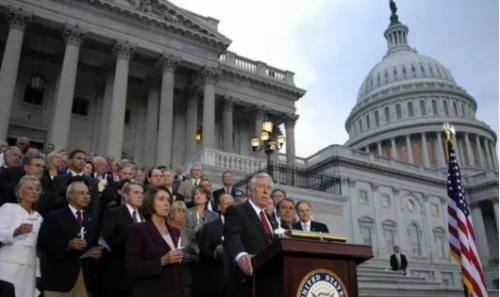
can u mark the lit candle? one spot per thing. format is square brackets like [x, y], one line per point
[222, 237]
[179, 243]
[198, 216]
[82, 233]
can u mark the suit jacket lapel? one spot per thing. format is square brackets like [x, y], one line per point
[73, 224]
[126, 215]
[155, 235]
[256, 220]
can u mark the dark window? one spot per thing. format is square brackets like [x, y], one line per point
[387, 115]
[360, 125]
[434, 107]
[367, 121]
[80, 107]
[423, 110]
[199, 133]
[377, 119]
[413, 68]
[32, 96]
[398, 111]
[463, 110]
[410, 109]
[455, 109]
[128, 113]
[445, 108]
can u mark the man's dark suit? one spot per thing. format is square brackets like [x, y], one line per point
[217, 193]
[60, 184]
[9, 177]
[7, 289]
[62, 265]
[394, 263]
[315, 227]
[114, 226]
[216, 267]
[243, 232]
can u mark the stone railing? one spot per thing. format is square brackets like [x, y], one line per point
[228, 161]
[257, 67]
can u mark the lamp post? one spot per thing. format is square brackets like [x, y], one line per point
[267, 143]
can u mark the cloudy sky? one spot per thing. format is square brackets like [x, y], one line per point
[331, 45]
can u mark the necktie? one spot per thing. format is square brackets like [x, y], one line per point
[399, 260]
[264, 223]
[196, 183]
[306, 227]
[134, 217]
[79, 218]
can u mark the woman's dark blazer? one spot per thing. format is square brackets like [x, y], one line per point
[145, 247]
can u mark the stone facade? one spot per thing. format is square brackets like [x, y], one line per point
[152, 81]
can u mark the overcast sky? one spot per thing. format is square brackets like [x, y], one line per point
[331, 45]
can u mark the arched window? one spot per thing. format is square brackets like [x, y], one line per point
[354, 128]
[445, 108]
[463, 110]
[455, 109]
[377, 119]
[423, 110]
[398, 111]
[367, 121]
[387, 115]
[410, 109]
[366, 225]
[360, 125]
[389, 228]
[434, 107]
[440, 241]
[414, 236]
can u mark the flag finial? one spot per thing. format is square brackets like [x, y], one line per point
[449, 130]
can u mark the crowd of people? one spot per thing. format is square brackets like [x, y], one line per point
[77, 224]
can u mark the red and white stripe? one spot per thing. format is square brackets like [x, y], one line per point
[463, 249]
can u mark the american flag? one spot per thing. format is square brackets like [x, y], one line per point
[461, 232]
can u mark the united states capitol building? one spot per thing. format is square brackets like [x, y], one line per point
[148, 80]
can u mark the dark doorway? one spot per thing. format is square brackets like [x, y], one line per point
[40, 145]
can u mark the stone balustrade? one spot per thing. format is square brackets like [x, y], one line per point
[257, 67]
[228, 161]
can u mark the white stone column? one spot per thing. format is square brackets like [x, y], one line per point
[209, 76]
[490, 162]
[18, 20]
[61, 122]
[441, 159]
[424, 151]
[227, 123]
[108, 74]
[481, 239]
[379, 148]
[290, 121]
[395, 152]
[124, 51]
[164, 149]
[409, 149]
[191, 124]
[153, 87]
[493, 155]
[469, 152]
[140, 127]
[482, 163]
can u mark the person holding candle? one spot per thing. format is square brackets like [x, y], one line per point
[199, 214]
[152, 258]
[19, 226]
[66, 235]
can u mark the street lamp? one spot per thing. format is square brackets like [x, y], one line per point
[267, 143]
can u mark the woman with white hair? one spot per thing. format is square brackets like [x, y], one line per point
[19, 226]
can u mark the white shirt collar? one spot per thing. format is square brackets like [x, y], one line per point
[308, 223]
[74, 173]
[131, 211]
[255, 207]
[223, 219]
[74, 210]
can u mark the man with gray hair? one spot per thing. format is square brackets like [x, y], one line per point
[186, 187]
[247, 231]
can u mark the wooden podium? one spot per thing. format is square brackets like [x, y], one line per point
[290, 263]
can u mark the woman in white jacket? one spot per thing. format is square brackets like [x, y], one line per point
[19, 226]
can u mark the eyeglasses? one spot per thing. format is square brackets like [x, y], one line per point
[83, 193]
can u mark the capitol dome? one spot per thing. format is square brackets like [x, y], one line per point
[404, 101]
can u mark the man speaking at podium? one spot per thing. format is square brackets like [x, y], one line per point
[248, 231]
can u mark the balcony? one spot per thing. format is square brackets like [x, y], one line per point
[297, 177]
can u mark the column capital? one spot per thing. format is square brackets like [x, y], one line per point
[396, 191]
[124, 49]
[260, 111]
[209, 75]
[290, 120]
[168, 62]
[74, 34]
[19, 18]
[375, 186]
[228, 103]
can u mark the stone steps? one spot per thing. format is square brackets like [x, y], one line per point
[414, 291]
[391, 281]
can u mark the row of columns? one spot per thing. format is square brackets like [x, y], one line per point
[479, 227]
[489, 160]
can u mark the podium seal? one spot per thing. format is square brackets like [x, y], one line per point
[321, 283]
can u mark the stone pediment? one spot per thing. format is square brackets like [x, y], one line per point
[173, 17]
